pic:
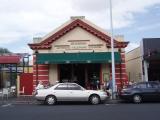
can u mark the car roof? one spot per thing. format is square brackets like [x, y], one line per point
[66, 83]
[148, 82]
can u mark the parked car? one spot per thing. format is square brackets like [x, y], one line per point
[69, 92]
[142, 91]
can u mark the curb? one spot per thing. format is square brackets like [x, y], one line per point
[110, 101]
[18, 102]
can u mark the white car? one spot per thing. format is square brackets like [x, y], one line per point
[69, 92]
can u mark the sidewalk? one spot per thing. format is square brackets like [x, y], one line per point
[32, 100]
[18, 100]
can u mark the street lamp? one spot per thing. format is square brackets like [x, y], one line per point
[112, 49]
[26, 55]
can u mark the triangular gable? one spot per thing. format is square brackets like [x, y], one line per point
[46, 43]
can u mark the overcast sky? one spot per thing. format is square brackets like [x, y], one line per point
[21, 20]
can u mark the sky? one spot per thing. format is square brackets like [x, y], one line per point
[21, 20]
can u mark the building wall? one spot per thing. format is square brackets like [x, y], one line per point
[53, 73]
[134, 65]
[40, 73]
[78, 40]
[28, 69]
[105, 73]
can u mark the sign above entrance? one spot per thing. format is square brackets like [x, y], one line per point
[79, 45]
[68, 58]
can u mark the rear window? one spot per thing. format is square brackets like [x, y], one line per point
[153, 85]
[74, 87]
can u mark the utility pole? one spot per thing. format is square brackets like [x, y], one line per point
[112, 49]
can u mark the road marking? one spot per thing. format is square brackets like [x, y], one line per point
[7, 105]
[109, 104]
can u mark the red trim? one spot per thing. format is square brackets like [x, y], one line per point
[41, 72]
[41, 77]
[46, 44]
[120, 76]
[45, 82]
[122, 65]
[122, 55]
[40, 67]
[122, 70]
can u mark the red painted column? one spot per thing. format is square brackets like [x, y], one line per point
[43, 72]
[120, 72]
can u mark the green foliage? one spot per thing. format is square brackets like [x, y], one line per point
[4, 50]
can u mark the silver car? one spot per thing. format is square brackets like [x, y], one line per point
[69, 92]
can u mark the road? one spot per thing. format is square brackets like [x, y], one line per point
[123, 111]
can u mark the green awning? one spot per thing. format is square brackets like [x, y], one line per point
[66, 58]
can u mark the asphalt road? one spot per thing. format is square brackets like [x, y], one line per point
[123, 111]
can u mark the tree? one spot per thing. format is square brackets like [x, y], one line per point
[4, 50]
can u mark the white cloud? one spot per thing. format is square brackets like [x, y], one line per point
[23, 49]
[148, 27]
[9, 37]
[19, 18]
[131, 46]
[123, 10]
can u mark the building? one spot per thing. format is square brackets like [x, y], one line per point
[8, 69]
[13, 68]
[78, 51]
[134, 65]
[143, 63]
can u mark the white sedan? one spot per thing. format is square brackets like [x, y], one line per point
[69, 92]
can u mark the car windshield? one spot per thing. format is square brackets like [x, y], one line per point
[131, 86]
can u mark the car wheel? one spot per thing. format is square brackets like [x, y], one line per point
[50, 100]
[137, 99]
[94, 99]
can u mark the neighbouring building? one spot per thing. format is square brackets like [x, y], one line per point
[143, 63]
[15, 72]
[78, 51]
[134, 65]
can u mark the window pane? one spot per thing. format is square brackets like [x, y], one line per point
[73, 87]
[141, 85]
[154, 85]
[61, 87]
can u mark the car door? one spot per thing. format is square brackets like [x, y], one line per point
[151, 91]
[77, 93]
[61, 92]
[156, 90]
[141, 89]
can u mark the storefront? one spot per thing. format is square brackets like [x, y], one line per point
[78, 51]
[151, 59]
[146, 60]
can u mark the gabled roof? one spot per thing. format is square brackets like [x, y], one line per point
[49, 39]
